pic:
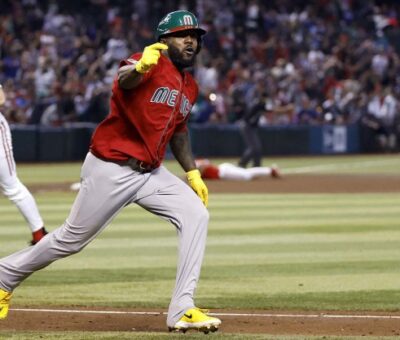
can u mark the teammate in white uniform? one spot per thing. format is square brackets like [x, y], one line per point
[11, 186]
[233, 172]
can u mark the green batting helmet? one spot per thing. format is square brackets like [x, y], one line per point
[178, 21]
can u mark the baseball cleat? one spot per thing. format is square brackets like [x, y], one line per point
[4, 303]
[196, 318]
[275, 172]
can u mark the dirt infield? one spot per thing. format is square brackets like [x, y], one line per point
[288, 184]
[267, 322]
[312, 184]
[259, 322]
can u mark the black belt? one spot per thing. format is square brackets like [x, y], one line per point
[138, 165]
[135, 164]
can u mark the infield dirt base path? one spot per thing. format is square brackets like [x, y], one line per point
[287, 184]
[311, 184]
[284, 322]
[316, 323]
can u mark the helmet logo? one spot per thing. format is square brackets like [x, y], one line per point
[188, 20]
[165, 20]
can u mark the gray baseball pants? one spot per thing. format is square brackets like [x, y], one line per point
[106, 188]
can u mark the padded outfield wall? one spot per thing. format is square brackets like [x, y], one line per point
[54, 144]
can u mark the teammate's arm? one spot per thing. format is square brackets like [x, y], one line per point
[129, 76]
[180, 147]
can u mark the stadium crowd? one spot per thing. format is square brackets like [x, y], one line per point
[306, 62]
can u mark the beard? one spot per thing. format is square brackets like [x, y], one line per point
[178, 58]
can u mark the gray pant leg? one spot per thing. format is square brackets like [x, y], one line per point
[106, 189]
[170, 198]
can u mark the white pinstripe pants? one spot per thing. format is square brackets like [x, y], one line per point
[10, 185]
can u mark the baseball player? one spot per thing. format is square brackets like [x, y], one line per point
[233, 172]
[11, 186]
[151, 99]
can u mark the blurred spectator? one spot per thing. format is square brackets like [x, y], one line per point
[45, 77]
[202, 110]
[92, 106]
[382, 117]
[207, 77]
[316, 60]
[116, 48]
[308, 113]
[63, 110]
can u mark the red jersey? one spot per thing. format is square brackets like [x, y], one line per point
[210, 172]
[142, 120]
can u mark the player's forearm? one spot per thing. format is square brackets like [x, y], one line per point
[180, 147]
[128, 77]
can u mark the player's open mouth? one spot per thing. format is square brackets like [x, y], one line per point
[189, 51]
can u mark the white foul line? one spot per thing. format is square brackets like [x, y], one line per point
[335, 166]
[79, 311]
[269, 315]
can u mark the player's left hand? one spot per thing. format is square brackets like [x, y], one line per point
[150, 57]
[198, 185]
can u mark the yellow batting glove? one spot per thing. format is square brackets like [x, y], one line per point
[150, 57]
[197, 184]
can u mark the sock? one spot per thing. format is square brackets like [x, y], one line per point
[38, 235]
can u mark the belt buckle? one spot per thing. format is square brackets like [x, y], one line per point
[142, 167]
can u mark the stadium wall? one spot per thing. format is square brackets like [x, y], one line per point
[55, 144]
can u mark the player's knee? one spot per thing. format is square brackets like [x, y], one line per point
[68, 240]
[75, 248]
[68, 247]
[201, 214]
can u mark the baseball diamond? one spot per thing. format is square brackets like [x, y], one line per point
[276, 321]
[236, 177]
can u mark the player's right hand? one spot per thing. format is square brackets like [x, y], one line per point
[150, 57]
[198, 185]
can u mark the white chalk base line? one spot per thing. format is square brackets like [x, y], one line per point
[267, 315]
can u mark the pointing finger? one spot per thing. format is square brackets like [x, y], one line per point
[159, 46]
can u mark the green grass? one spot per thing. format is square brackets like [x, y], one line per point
[264, 251]
[341, 164]
[312, 251]
[49, 172]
